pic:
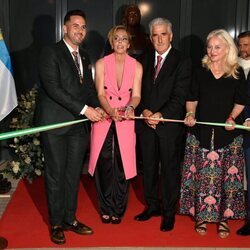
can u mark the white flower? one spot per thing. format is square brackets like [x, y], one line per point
[16, 140]
[28, 105]
[36, 142]
[22, 148]
[15, 167]
[27, 160]
[38, 172]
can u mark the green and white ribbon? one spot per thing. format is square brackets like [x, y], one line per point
[182, 121]
[28, 131]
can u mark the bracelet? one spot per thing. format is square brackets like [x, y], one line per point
[190, 113]
[130, 106]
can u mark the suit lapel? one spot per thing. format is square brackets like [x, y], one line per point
[67, 55]
[151, 66]
[85, 67]
[70, 59]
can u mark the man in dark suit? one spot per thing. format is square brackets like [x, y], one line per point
[166, 79]
[67, 93]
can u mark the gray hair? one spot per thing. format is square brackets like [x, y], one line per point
[160, 21]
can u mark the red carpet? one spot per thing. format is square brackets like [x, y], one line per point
[24, 223]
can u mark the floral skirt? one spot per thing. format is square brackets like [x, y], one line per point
[212, 181]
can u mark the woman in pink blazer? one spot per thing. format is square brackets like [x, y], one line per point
[112, 148]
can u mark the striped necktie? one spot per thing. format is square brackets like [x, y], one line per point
[158, 66]
[75, 55]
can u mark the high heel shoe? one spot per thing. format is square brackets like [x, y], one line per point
[105, 218]
[115, 220]
[201, 227]
[223, 229]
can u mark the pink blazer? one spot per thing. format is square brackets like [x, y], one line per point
[125, 129]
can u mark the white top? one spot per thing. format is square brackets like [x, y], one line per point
[245, 64]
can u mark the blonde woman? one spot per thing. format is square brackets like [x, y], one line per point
[112, 152]
[212, 177]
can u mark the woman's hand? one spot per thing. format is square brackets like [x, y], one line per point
[129, 112]
[190, 119]
[247, 124]
[115, 114]
[230, 120]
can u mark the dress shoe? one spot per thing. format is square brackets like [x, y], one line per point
[57, 235]
[78, 228]
[167, 224]
[147, 214]
[245, 230]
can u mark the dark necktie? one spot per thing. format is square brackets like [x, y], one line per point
[75, 54]
[158, 66]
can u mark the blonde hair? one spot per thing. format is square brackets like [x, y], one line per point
[112, 32]
[231, 60]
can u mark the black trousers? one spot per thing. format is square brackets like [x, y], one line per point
[64, 156]
[161, 170]
[111, 184]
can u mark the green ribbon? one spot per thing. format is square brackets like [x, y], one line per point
[28, 131]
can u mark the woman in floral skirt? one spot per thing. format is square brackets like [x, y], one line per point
[212, 175]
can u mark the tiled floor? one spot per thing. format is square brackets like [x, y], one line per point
[4, 201]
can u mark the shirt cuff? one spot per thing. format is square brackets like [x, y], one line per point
[248, 119]
[84, 110]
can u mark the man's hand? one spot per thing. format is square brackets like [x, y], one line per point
[93, 114]
[151, 123]
[147, 113]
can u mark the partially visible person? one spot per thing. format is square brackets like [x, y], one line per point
[3, 243]
[112, 152]
[67, 93]
[244, 61]
[212, 176]
[140, 41]
[165, 84]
